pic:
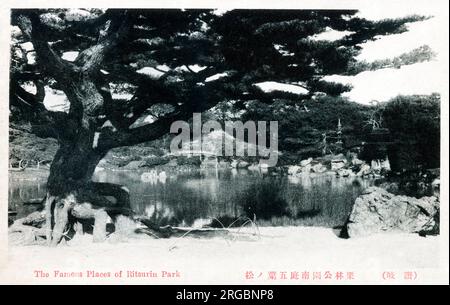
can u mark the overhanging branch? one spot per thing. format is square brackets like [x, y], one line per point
[32, 28]
[117, 28]
[45, 123]
[197, 103]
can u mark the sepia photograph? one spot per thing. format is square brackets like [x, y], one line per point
[271, 144]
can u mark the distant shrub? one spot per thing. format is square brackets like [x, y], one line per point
[302, 127]
[155, 161]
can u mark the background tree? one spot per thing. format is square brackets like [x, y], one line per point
[173, 63]
[414, 125]
[28, 148]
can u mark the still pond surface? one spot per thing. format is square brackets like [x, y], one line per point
[200, 197]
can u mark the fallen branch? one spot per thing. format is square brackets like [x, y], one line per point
[168, 231]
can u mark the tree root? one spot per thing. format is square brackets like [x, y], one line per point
[86, 211]
[94, 201]
[69, 214]
[61, 217]
[48, 217]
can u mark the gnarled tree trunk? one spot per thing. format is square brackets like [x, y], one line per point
[73, 196]
[70, 181]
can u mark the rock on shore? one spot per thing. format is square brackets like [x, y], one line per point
[377, 210]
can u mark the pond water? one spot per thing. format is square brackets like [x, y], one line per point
[199, 197]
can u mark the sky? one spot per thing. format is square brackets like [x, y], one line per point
[419, 78]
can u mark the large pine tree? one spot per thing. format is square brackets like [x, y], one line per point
[197, 59]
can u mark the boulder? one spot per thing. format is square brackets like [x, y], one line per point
[364, 170]
[377, 210]
[386, 165]
[357, 162]
[35, 219]
[306, 162]
[319, 168]
[306, 169]
[243, 164]
[253, 167]
[375, 165]
[344, 172]
[337, 164]
[294, 169]
[264, 165]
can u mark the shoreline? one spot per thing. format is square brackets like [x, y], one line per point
[280, 249]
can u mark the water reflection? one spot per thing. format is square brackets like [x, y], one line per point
[196, 197]
[23, 191]
[154, 177]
